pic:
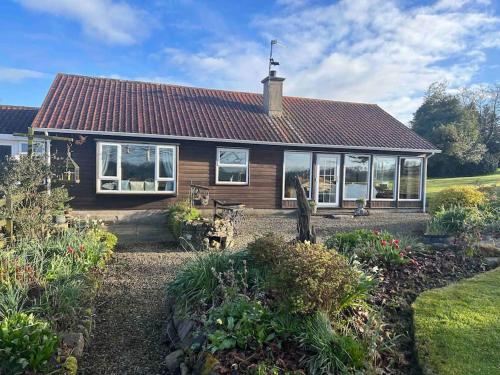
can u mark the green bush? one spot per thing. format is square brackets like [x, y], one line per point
[463, 196]
[26, 344]
[178, 214]
[308, 277]
[455, 221]
[239, 323]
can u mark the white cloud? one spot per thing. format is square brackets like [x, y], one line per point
[13, 75]
[113, 21]
[356, 50]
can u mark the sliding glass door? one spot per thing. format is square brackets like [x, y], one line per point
[327, 177]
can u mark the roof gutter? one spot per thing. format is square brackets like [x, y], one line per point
[245, 141]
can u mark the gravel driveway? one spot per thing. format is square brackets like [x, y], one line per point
[129, 336]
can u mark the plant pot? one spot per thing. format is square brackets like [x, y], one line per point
[60, 219]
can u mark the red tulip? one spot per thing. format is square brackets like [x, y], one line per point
[70, 250]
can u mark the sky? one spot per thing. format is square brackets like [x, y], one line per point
[385, 52]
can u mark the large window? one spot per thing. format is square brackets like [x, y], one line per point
[410, 175]
[5, 152]
[384, 177]
[136, 168]
[232, 166]
[296, 164]
[357, 174]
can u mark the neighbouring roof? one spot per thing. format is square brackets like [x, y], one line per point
[16, 119]
[91, 104]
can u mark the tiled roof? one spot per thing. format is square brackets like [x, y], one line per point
[81, 103]
[16, 119]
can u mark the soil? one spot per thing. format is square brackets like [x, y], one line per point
[129, 334]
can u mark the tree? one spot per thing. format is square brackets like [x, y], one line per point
[456, 126]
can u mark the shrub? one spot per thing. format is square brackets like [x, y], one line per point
[239, 323]
[310, 278]
[456, 220]
[463, 196]
[178, 214]
[26, 344]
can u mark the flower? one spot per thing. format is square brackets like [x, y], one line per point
[401, 254]
[383, 242]
[70, 250]
[376, 232]
[82, 248]
[219, 321]
[396, 246]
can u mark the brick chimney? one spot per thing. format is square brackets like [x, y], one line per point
[273, 94]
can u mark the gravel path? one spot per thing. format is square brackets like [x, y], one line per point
[129, 336]
[286, 224]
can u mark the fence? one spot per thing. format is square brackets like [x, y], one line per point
[6, 223]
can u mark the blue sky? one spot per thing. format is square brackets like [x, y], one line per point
[384, 52]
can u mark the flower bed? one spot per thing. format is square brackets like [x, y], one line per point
[282, 307]
[46, 292]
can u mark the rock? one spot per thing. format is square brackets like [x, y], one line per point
[184, 369]
[75, 342]
[184, 328]
[172, 335]
[197, 342]
[209, 365]
[173, 361]
[492, 261]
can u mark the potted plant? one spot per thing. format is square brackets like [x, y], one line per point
[360, 203]
[314, 206]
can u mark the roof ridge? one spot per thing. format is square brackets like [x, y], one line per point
[12, 106]
[209, 89]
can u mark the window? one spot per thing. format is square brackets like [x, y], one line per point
[357, 170]
[5, 152]
[38, 148]
[136, 168]
[232, 166]
[384, 177]
[410, 174]
[296, 164]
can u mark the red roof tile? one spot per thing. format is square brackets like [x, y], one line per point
[16, 119]
[82, 103]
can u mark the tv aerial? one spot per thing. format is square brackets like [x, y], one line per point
[272, 62]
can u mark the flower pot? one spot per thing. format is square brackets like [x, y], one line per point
[60, 219]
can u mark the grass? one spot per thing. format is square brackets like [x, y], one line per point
[435, 185]
[457, 328]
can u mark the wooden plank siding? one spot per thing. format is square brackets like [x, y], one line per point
[196, 164]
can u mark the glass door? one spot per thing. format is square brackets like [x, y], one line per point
[327, 176]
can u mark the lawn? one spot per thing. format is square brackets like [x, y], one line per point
[437, 184]
[457, 328]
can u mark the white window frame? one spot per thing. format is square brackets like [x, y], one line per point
[316, 180]
[118, 177]
[246, 166]
[396, 173]
[284, 171]
[420, 174]
[368, 187]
